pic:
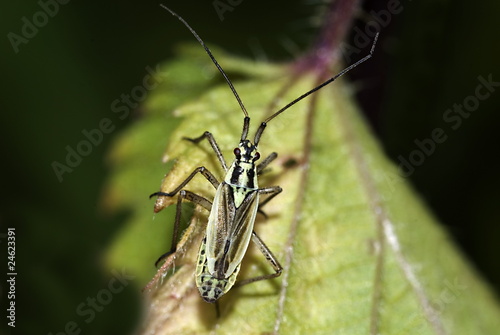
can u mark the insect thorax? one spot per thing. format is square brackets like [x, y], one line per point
[211, 288]
[243, 172]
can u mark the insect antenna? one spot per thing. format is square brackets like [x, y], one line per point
[263, 125]
[246, 122]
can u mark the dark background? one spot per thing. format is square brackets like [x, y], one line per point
[65, 78]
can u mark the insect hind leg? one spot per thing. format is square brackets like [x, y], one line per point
[278, 269]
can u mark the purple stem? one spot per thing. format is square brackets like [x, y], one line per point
[325, 51]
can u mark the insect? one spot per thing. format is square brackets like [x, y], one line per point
[236, 202]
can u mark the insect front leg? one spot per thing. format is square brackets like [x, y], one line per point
[208, 135]
[269, 257]
[265, 163]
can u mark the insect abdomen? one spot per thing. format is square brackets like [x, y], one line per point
[211, 288]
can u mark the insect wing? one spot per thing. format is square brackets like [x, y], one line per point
[229, 230]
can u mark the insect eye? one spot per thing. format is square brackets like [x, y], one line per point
[256, 157]
[237, 152]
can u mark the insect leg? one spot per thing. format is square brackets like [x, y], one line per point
[184, 194]
[208, 135]
[274, 191]
[269, 257]
[266, 162]
[203, 170]
[194, 198]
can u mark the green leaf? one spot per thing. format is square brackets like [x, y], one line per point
[361, 254]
